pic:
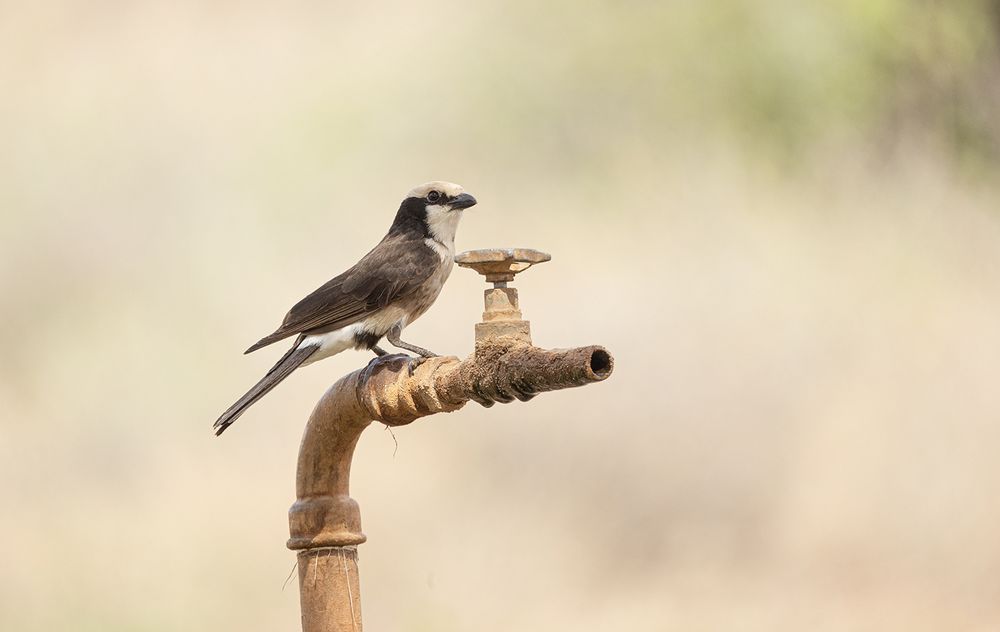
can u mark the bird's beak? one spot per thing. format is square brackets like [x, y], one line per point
[463, 200]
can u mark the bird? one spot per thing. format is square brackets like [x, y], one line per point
[389, 288]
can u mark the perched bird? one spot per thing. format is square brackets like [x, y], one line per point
[389, 288]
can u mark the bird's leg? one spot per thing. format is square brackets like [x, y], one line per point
[393, 338]
[423, 354]
[379, 351]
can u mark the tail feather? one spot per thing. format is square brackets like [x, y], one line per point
[284, 367]
[266, 340]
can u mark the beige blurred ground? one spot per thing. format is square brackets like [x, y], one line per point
[801, 296]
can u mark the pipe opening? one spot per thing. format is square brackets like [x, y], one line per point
[601, 363]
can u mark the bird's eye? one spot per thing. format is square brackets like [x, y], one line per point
[433, 196]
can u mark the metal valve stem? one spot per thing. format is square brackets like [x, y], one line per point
[502, 316]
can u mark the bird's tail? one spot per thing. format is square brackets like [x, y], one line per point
[292, 359]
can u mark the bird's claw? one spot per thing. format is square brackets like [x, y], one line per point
[415, 362]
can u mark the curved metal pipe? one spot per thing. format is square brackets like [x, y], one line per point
[325, 522]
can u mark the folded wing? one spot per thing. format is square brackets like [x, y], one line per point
[394, 268]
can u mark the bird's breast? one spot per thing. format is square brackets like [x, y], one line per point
[407, 308]
[420, 300]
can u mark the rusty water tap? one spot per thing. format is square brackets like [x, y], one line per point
[502, 316]
[325, 522]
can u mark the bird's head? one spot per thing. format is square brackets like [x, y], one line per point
[434, 208]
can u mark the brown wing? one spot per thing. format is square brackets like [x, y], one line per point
[394, 268]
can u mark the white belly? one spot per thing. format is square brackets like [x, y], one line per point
[333, 342]
[330, 343]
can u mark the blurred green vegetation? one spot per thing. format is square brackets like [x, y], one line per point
[784, 77]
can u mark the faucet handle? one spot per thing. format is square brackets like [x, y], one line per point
[502, 318]
[499, 265]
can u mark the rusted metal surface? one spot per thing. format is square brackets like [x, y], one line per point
[330, 589]
[502, 317]
[325, 522]
[499, 265]
[387, 392]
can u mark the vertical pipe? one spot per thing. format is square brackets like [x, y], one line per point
[325, 522]
[329, 589]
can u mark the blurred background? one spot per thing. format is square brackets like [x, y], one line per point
[783, 220]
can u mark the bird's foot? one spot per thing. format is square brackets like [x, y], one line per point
[379, 351]
[415, 362]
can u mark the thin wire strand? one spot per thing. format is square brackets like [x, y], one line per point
[350, 595]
